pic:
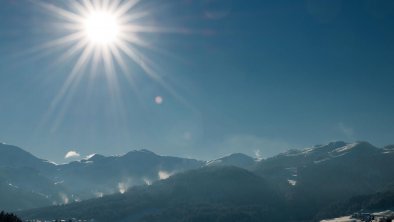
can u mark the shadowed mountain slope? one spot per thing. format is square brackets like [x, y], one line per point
[214, 190]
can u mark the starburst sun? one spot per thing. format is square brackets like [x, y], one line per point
[103, 37]
[101, 27]
[101, 32]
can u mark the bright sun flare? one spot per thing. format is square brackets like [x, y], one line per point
[105, 37]
[101, 27]
[101, 33]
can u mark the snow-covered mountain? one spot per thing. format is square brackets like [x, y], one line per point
[94, 176]
[24, 181]
[337, 168]
[330, 172]
[98, 175]
[299, 185]
[321, 153]
[36, 182]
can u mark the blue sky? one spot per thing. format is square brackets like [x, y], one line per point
[246, 76]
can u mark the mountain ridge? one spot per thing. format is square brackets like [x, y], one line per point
[295, 173]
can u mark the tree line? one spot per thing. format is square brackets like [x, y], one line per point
[8, 217]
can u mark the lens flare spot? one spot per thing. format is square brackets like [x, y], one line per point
[158, 100]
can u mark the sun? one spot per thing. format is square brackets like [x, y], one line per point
[106, 37]
[101, 34]
[101, 27]
[103, 37]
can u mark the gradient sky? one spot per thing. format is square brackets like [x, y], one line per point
[254, 76]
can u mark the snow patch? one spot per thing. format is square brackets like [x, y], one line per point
[292, 182]
[213, 162]
[340, 219]
[122, 187]
[89, 156]
[11, 185]
[308, 150]
[345, 148]
[59, 182]
[320, 161]
[147, 181]
[51, 162]
[164, 175]
[340, 154]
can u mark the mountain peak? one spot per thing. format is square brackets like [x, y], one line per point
[337, 144]
[339, 148]
[235, 159]
[141, 151]
[146, 151]
[9, 154]
[94, 157]
[6, 148]
[237, 156]
[365, 146]
[320, 149]
[13, 156]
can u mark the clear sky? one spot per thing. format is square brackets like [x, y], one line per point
[250, 76]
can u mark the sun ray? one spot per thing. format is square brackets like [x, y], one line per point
[125, 8]
[65, 14]
[133, 17]
[118, 58]
[97, 55]
[135, 40]
[89, 5]
[67, 91]
[74, 37]
[81, 9]
[126, 73]
[115, 4]
[68, 26]
[73, 50]
[74, 73]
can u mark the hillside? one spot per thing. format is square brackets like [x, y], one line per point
[28, 182]
[212, 193]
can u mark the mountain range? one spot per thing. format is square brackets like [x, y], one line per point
[298, 185]
[34, 182]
